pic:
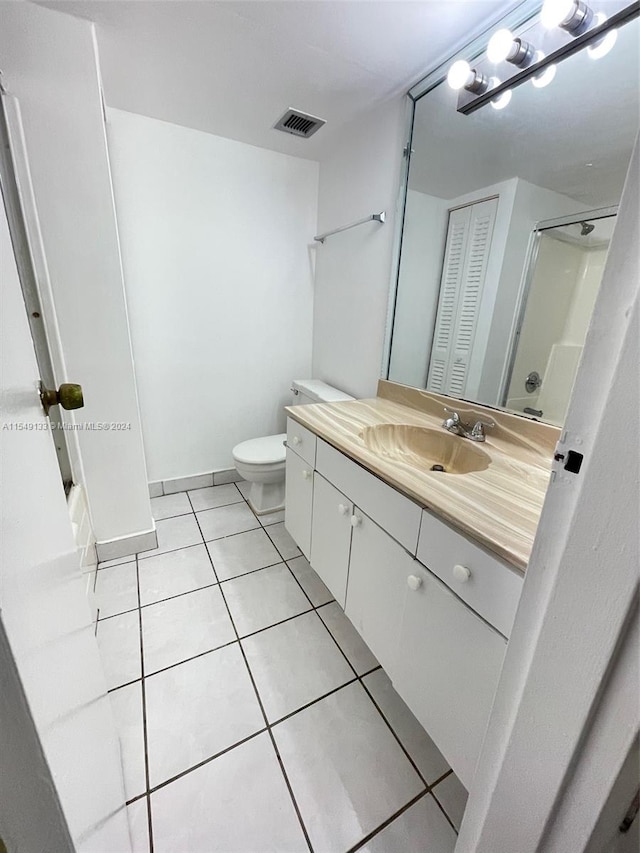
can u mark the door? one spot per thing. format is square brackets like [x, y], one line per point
[299, 501]
[331, 537]
[378, 571]
[14, 201]
[43, 605]
[465, 267]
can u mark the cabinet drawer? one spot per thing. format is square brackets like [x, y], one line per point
[298, 501]
[302, 441]
[395, 513]
[492, 588]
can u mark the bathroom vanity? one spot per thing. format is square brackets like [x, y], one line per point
[427, 564]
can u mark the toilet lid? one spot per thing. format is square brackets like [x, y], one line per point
[261, 451]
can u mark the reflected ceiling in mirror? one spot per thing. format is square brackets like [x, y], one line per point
[482, 189]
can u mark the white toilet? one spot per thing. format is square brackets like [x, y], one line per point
[261, 461]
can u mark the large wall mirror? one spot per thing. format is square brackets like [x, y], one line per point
[508, 217]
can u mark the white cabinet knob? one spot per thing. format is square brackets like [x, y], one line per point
[414, 582]
[306, 474]
[295, 440]
[356, 521]
[461, 573]
[343, 509]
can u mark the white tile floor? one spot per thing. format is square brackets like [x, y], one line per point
[252, 717]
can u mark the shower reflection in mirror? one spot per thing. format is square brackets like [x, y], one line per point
[562, 280]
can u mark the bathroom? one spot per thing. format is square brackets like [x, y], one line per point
[224, 698]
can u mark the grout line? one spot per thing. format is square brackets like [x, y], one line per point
[126, 684]
[275, 624]
[388, 821]
[218, 506]
[275, 544]
[277, 752]
[400, 744]
[204, 761]
[179, 595]
[441, 779]
[360, 678]
[251, 571]
[442, 808]
[304, 592]
[114, 615]
[144, 555]
[167, 517]
[125, 562]
[313, 702]
[145, 733]
[193, 657]
[273, 741]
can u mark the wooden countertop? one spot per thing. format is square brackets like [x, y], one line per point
[499, 507]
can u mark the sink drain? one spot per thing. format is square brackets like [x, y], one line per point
[437, 468]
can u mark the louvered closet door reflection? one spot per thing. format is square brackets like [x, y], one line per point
[450, 285]
[464, 272]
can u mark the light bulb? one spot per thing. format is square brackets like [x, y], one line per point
[501, 101]
[500, 46]
[601, 47]
[459, 74]
[574, 16]
[544, 77]
[554, 12]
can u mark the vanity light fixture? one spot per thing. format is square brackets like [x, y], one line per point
[545, 77]
[503, 45]
[564, 27]
[573, 16]
[462, 76]
[602, 46]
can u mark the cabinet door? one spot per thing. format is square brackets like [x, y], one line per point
[298, 501]
[447, 669]
[378, 571]
[331, 536]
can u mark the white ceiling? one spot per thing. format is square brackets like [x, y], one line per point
[232, 68]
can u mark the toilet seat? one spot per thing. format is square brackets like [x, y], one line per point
[267, 450]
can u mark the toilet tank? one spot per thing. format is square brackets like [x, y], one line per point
[305, 391]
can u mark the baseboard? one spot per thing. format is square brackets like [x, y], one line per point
[124, 546]
[197, 481]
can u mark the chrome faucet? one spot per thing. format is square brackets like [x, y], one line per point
[457, 427]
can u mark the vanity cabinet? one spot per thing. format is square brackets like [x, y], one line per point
[331, 536]
[447, 669]
[433, 607]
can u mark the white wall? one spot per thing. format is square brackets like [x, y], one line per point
[353, 269]
[49, 65]
[423, 240]
[215, 243]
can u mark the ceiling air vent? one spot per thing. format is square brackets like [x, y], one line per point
[299, 123]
